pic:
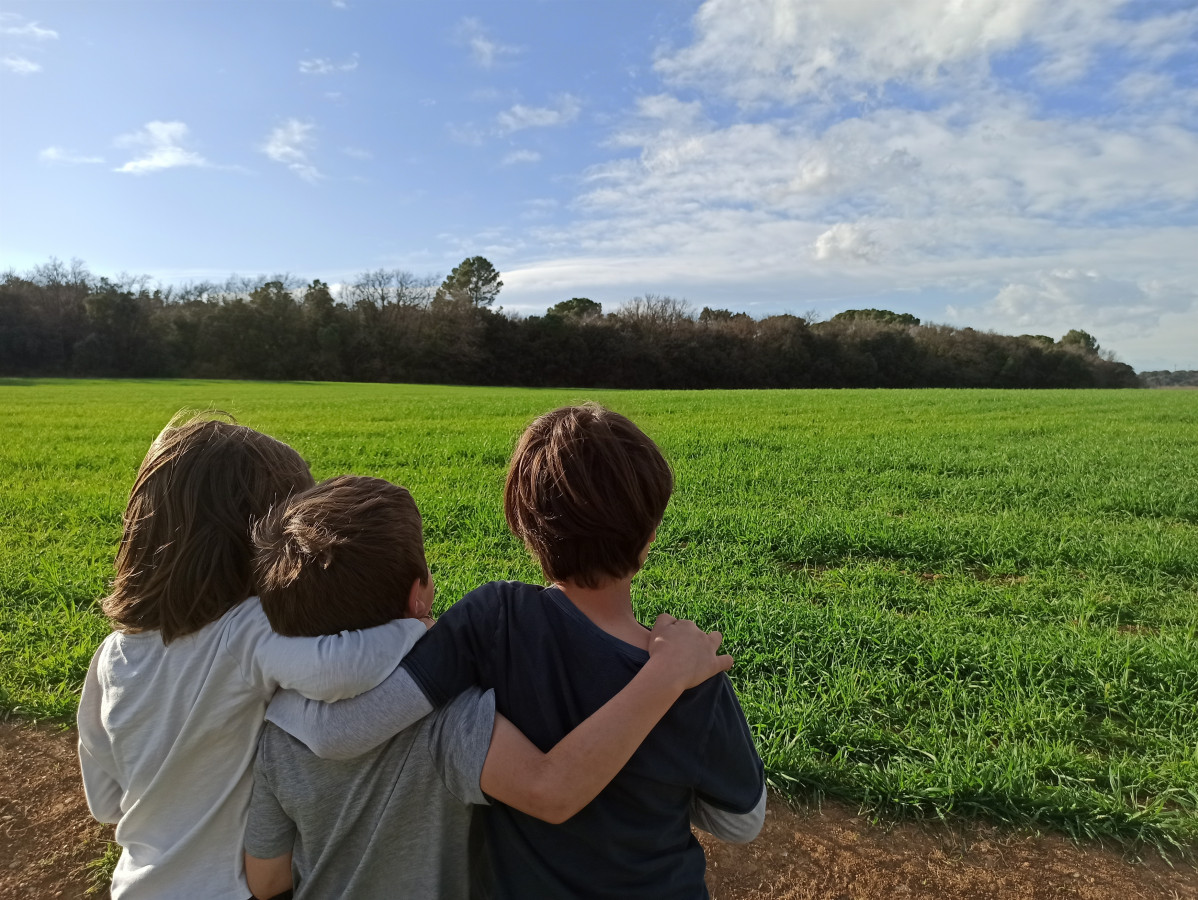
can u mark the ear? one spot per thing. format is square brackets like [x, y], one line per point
[420, 598]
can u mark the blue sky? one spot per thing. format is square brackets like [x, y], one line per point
[1020, 165]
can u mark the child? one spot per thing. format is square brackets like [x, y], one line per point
[349, 553]
[586, 490]
[174, 698]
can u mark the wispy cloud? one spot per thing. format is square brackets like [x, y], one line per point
[484, 50]
[31, 30]
[521, 156]
[20, 65]
[322, 66]
[357, 153]
[519, 117]
[66, 157]
[288, 144]
[161, 146]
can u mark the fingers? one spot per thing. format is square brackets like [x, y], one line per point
[663, 619]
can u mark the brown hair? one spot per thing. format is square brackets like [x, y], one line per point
[585, 490]
[184, 559]
[343, 555]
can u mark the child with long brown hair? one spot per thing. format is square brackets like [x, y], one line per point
[174, 699]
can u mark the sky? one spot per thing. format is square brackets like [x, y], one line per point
[1023, 166]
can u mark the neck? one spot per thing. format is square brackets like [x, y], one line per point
[609, 607]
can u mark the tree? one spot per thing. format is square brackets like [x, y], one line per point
[882, 316]
[474, 281]
[1081, 341]
[709, 315]
[577, 308]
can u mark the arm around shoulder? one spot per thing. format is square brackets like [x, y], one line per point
[329, 667]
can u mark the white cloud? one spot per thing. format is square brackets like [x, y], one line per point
[28, 30]
[357, 153]
[484, 50]
[66, 157]
[322, 66]
[288, 144]
[844, 241]
[161, 146]
[20, 65]
[519, 117]
[521, 156]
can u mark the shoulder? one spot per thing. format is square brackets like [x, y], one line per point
[496, 600]
[247, 614]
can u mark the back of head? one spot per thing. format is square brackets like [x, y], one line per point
[185, 555]
[343, 555]
[585, 491]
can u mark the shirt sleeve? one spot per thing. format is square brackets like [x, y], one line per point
[457, 653]
[459, 740]
[731, 777]
[349, 728]
[329, 667]
[96, 762]
[737, 828]
[269, 832]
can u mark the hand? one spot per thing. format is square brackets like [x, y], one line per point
[685, 651]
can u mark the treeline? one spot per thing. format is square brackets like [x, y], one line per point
[61, 320]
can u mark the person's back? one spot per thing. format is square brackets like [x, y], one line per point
[586, 490]
[551, 668]
[394, 822]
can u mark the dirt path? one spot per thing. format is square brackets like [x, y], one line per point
[47, 839]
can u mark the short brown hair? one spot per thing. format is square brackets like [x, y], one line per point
[585, 490]
[185, 555]
[343, 555]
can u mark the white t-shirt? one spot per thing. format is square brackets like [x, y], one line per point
[168, 734]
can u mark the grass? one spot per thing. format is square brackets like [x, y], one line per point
[976, 603]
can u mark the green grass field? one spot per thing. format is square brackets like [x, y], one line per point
[976, 602]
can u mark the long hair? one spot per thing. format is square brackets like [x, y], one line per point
[186, 557]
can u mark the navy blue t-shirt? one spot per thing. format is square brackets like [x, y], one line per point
[551, 668]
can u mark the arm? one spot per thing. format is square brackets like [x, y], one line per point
[554, 786]
[96, 763]
[269, 831]
[736, 828]
[729, 798]
[268, 877]
[329, 667]
[439, 668]
[351, 727]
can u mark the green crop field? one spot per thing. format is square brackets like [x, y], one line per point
[976, 602]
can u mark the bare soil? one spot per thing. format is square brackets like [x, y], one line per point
[47, 838]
